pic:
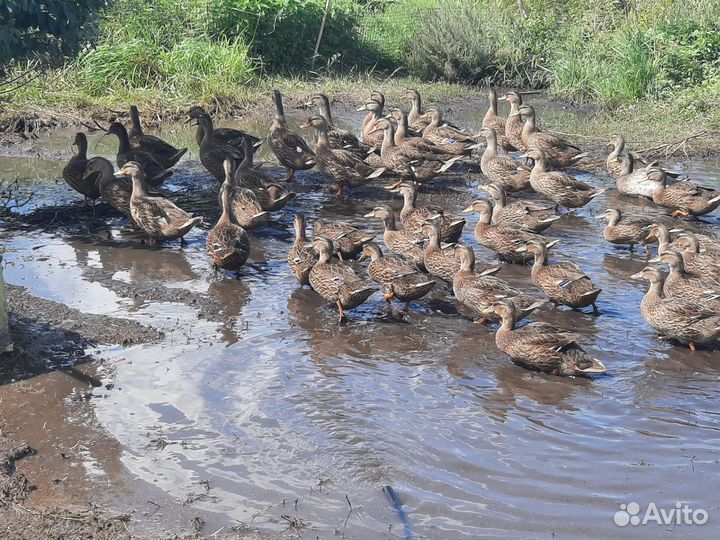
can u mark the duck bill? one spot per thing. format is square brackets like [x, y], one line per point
[639, 275]
[306, 125]
[371, 214]
[362, 108]
[521, 249]
[394, 187]
[468, 210]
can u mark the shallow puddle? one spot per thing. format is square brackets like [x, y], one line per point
[257, 391]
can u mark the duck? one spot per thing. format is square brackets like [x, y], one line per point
[154, 174]
[74, 171]
[413, 217]
[228, 244]
[684, 241]
[403, 137]
[615, 161]
[347, 240]
[339, 139]
[371, 136]
[340, 165]
[558, 152]
[403, 243]
[493, 121]
[541, 346]
[399, 278]
[478, 291]
[291, 150]
[165, 153]
[233, 137]
[502, 239]
[409, 162]
[564, 282]
[557, 186]
[451, 140]
[685, 198]
[502, 169]
[336, 282]
[638, 182]
[245, 208]
[528, 215]
[514, 124]
[680, 319]
[301, 257]
[442, 261]
[157, 216]
[213, 153]
[114, 191]
[697, 263]
[271, 196]
[416, 117]
[625, 230]
[678, 283]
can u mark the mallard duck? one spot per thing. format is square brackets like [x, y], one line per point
[514, 124]
[371, 137]
[409, 162]
[442, 261]
[447, 138]
[643, 181]
[617, 158]
[478, 291]
[157, 216]
[339, 139]
[413, 217]
[504, 170]
[347, 240]
[74, 171]
[233, 137]
[528, 215]
[704, 290]
[698, 264]
[244, 205]
[399, 278]
[502, 239]
[228, 245]
[685, 198]
[113, 190]
[416, 117]
[493, 121]
[291, 150]
[624, 230]
[563, 282]
[165, 153]
[153, 172]
[558, 152]
[404, 138]
[336, 282]
[405, 244]
[340, 165]
[559, 187]
[271, 196]
[213, 153]
[301, 257]
[541, 346]
[681, 319]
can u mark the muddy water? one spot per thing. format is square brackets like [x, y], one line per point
[288, 416]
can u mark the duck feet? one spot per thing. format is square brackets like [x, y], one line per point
[388, 296]
[680, 213]
[290, 175]
[337, 189]
[596, 311]
[481, 320]
[692, 346]
[341, 313]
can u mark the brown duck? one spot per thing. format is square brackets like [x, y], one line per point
[291, 150]
[558, 152]
[625, 230]
[348, 241]
[301, 257]
[115, 191]
[681, 319]
[233, 137]
[154, 174]
[540, 346]
[74, 171]
[403, 243]
[228, 245]
[678, 283]
[503, 170]
[413, 217]
[514, 124]
[493, 121]
[528, 215]
[399, 278]
[563, 282]
[165, 153]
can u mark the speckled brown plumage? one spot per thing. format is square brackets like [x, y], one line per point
[399, 278]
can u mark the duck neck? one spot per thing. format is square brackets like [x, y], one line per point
[616, 149]
[138, 189]
[279, 120]
[325, 110]
[467, 262]
[529, 126]
[539, 166]
[124, 140]
[322, 139]
[408, 200]
[135, 125]
[324, 257]
[300, 234]
[416, 109]
[389, 222]
[654, 292]
[540, 260]
[401, 131]
[507, 325]
[485, 218]
[663, 236]
[614, 220]
[433, 240]
[388, 139]
[205, 124]
[491, 139]
[226, 216]
[82, 146]
[492, 109]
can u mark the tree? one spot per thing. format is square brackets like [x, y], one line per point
[45, 27]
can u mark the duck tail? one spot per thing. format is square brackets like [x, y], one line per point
[449, 163]
[598, 192]
[580, 156]
[714, 199]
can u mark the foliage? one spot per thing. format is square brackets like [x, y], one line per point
[54, 26]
